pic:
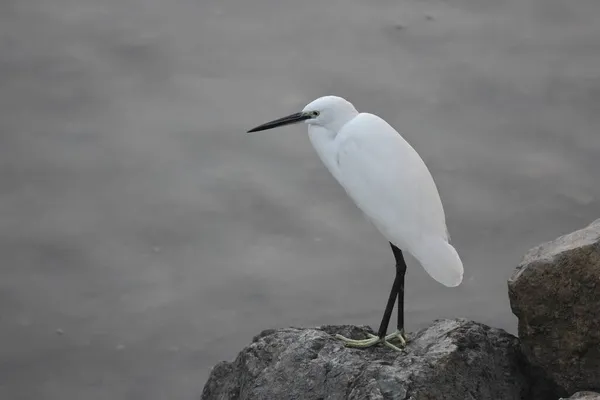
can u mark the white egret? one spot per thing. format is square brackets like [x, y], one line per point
[390, 183]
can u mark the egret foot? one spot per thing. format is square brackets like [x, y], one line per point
[373, 340]
[400, 335]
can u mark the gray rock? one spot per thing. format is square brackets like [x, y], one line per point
[583, 396]
[555, 293]
[452, 359]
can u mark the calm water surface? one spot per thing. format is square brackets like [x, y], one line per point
[145, 237]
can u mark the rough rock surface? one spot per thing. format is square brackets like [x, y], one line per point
[452, 359]
[555, 293]
[583, 396]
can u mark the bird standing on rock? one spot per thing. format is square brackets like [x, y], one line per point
[387, 179]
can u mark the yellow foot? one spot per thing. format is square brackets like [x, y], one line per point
[373, 340]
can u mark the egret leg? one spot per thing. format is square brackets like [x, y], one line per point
[394, 293]
[400, 274]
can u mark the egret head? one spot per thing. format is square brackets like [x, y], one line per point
[330, 112]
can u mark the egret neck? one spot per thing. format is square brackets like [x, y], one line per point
[323, 141]
[323, 132]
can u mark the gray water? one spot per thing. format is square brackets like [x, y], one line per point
[145, 237]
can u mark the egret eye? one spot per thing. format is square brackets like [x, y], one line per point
[315, 113]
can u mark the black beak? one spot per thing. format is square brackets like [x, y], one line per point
[290, 119]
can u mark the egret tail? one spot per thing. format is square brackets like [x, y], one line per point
[440, 260]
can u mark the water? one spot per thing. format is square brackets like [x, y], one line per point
[146, 237]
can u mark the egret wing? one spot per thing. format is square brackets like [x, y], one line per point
[390, 183]
[388, 180]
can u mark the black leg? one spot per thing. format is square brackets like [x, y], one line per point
[385, 321]
[397, 291]
[400, 273]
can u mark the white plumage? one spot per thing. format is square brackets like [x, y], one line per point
[388, 181]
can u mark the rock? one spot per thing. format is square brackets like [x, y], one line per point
[555, 293]
[452, 359]
[583, 396]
